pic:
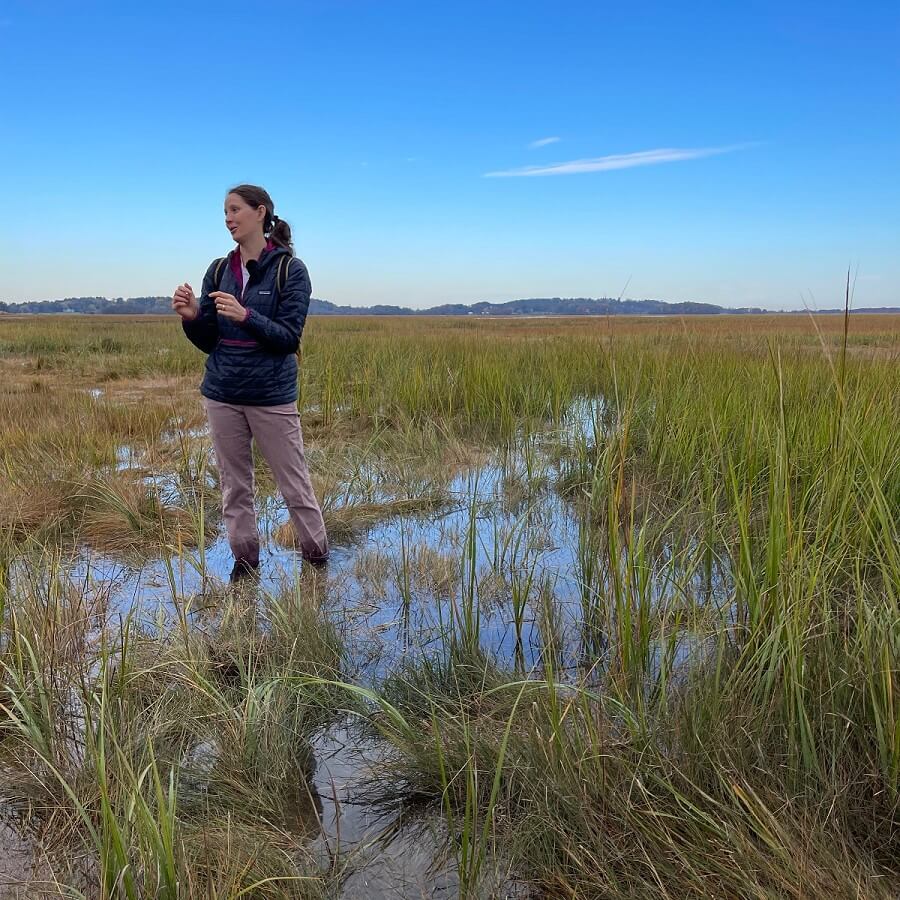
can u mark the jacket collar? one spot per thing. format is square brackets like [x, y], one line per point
[270, 252]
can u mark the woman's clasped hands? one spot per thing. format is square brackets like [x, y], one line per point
[185, 304]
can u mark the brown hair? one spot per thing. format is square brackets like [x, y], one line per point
[277, 230]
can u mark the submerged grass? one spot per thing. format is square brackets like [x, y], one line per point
[732, 729]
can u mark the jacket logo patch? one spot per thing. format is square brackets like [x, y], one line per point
[264, 292]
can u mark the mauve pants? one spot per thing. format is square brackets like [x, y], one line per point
[276, 430]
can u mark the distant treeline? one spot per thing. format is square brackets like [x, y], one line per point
[550, 306]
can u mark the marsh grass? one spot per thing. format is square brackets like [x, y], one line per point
[732, 728]
[169, 763]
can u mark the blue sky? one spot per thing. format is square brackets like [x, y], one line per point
[731, 153]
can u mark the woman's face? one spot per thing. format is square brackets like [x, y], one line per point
[241, 220]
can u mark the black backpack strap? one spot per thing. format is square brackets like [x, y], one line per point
[217, 277]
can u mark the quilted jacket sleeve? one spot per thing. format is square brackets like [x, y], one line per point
[281, 334]
[203, 332]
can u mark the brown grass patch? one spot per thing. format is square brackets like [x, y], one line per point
[123, 516]
[25, 509]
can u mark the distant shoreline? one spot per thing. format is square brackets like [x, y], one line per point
[553, 307]
[363, 313]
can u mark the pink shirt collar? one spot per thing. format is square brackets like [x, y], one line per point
[235, 262]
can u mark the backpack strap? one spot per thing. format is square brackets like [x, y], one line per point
[217, 276]
[284, 268]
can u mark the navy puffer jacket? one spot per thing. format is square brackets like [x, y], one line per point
[252, 363]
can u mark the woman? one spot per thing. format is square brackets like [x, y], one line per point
[249, 320]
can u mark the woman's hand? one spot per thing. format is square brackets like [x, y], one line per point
[185, 303]
[228, 306]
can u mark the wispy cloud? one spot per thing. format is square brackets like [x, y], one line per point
[619, 161]
[543, 142]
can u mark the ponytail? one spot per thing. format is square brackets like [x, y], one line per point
[280, 234]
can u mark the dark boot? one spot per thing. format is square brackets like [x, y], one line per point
[317, 562]
[244, 568]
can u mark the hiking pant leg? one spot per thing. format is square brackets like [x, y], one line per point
[231, 437]
[276, 430]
